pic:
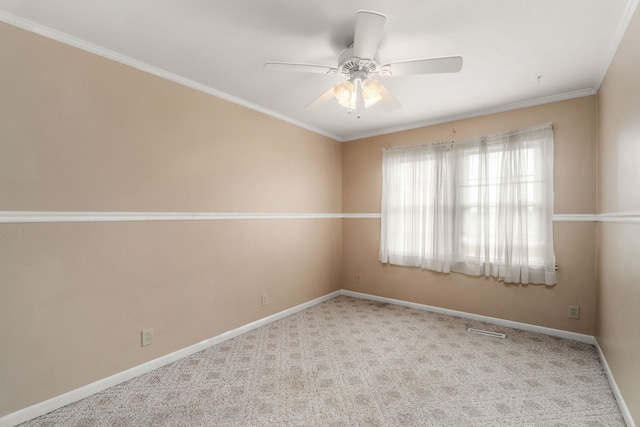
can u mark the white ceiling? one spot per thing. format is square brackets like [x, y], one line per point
[220, 46]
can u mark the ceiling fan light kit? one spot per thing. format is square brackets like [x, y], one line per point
[360, 61]
[348, 94]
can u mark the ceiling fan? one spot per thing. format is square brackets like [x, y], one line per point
[360, 62]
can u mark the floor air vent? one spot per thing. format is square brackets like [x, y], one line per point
[487, 333]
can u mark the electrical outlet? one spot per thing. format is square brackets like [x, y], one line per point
[147, 337]
[265, 299]
[358, 278]
[574, 312]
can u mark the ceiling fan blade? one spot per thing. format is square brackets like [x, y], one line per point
[321, 100]
[451, 64]
[389, 102]
[369, 27]
[304, 68]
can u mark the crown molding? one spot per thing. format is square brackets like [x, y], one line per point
[76, 42]
[156, 71]
[615, 41]
[478, 113]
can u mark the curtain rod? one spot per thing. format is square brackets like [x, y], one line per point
[472, 139]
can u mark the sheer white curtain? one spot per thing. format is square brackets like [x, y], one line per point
[482, 206]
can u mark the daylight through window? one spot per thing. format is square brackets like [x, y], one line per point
[482, 206]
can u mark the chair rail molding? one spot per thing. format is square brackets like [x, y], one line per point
[8, 217]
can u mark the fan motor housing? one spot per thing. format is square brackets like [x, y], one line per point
[348, 64]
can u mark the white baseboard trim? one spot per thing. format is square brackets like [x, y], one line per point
[492, 320]
[54, 403]
[614, 387]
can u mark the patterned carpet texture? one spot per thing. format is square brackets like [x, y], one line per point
[354, 362]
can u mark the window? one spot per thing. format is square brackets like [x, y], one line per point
[482, 206]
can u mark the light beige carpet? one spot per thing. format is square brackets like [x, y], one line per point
[353, 362]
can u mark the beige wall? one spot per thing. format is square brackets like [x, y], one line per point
[574, 124]
[82, 133]
[618, 319]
